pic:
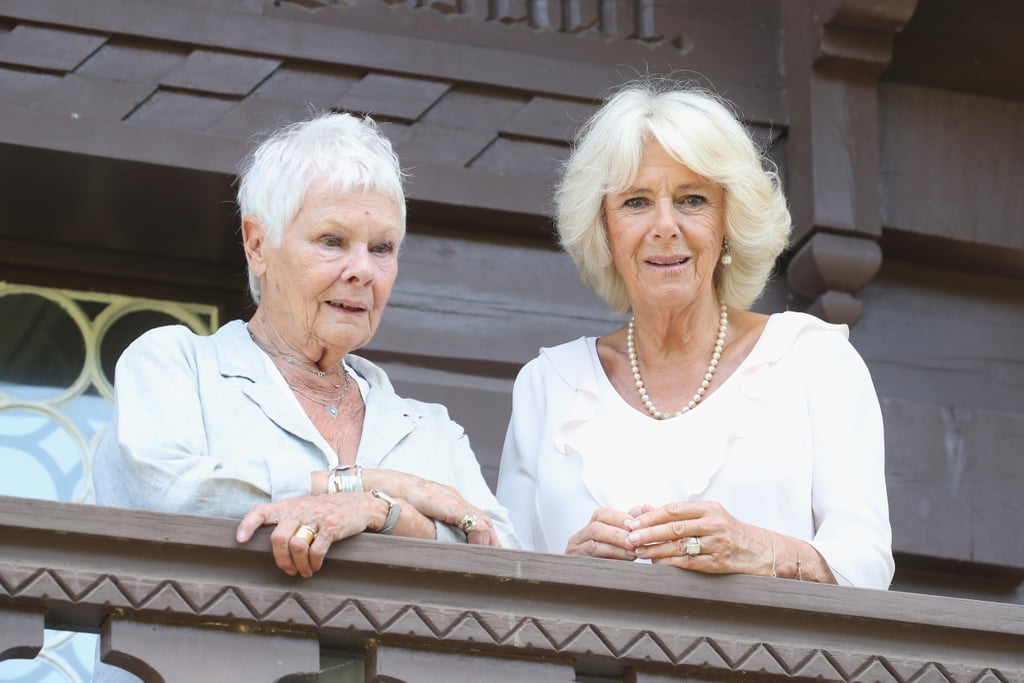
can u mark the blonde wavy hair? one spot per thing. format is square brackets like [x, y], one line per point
[699, 130]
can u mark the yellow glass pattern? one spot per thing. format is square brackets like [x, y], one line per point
[57, 348]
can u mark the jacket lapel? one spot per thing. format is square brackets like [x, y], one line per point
[388, 418]
[240, 359]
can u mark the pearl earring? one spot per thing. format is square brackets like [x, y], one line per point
[726, 256]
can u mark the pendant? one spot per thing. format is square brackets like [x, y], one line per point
[332, 411]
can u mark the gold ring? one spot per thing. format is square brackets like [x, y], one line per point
[306, 533]
[693, 546]
[468, 523]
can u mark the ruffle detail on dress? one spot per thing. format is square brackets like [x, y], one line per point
[622, 452]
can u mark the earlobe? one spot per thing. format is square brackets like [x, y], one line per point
[253, 241]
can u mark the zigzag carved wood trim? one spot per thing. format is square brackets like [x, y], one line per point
[510, 633]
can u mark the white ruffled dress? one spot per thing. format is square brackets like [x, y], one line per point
[792, 441]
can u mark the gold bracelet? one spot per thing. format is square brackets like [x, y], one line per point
[772, 539]
[799, 572]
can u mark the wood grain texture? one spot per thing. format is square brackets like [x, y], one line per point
[82, 96]
[458, 298]
[21, 632]
[134, 61]
[930, 137]
[975, 52]
[169, 651]
[944, 352]
[954, 476]
[54, 49]
[220, 73]
[392, 97]
[938, 336]
[84, 562]
[400, 664]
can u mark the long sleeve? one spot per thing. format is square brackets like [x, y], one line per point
[517, 475]
[792, 442]
[849, 502]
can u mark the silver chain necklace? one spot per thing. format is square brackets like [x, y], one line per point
[330, 405]
[286, 358]
[634, 364]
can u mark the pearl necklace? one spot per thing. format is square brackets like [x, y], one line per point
[634, 364]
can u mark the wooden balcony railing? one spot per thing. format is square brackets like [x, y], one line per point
[176, 599]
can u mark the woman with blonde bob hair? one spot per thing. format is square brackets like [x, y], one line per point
[701, 434]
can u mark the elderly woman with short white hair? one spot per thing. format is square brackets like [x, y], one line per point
[700, 434]
[275, 421]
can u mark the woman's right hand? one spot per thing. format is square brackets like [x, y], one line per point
[605, 536]
[434, 500]
[328, 519]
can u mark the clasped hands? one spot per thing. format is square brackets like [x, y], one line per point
[661, 534]
[333, 517]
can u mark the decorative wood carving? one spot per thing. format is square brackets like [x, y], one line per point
[185, 85]
[188, 571]
[828, 269]
[573, 16]
[835, 52]
[856, 38]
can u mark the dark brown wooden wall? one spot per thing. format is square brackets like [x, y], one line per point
[899, 127]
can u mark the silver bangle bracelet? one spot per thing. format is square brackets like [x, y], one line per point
[341, 481]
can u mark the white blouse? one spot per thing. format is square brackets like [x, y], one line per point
[792, 441]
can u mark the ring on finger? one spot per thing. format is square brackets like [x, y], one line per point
[306, 534]
[468, 523]
[692, 546]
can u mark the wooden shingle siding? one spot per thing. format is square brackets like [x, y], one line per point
[45, 48]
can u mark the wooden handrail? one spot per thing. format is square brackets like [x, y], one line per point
[90, 568]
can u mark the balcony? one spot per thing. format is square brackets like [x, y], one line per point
[176, 599]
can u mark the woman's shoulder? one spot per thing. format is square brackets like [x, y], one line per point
[570, 363]
[569, 352]
[163, 340]
[178, 347]
[181, 334]
[168, 338]
[797, 322]
[803, 338]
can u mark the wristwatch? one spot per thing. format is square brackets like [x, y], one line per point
[394, 511]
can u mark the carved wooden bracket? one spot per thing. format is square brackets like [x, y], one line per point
[829, 269]
[835, 52]
[857, 36]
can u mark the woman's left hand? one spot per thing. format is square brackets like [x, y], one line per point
[726, 545]
[331, 518]
[437, 501]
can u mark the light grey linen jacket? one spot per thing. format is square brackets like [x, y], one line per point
[200, 427]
